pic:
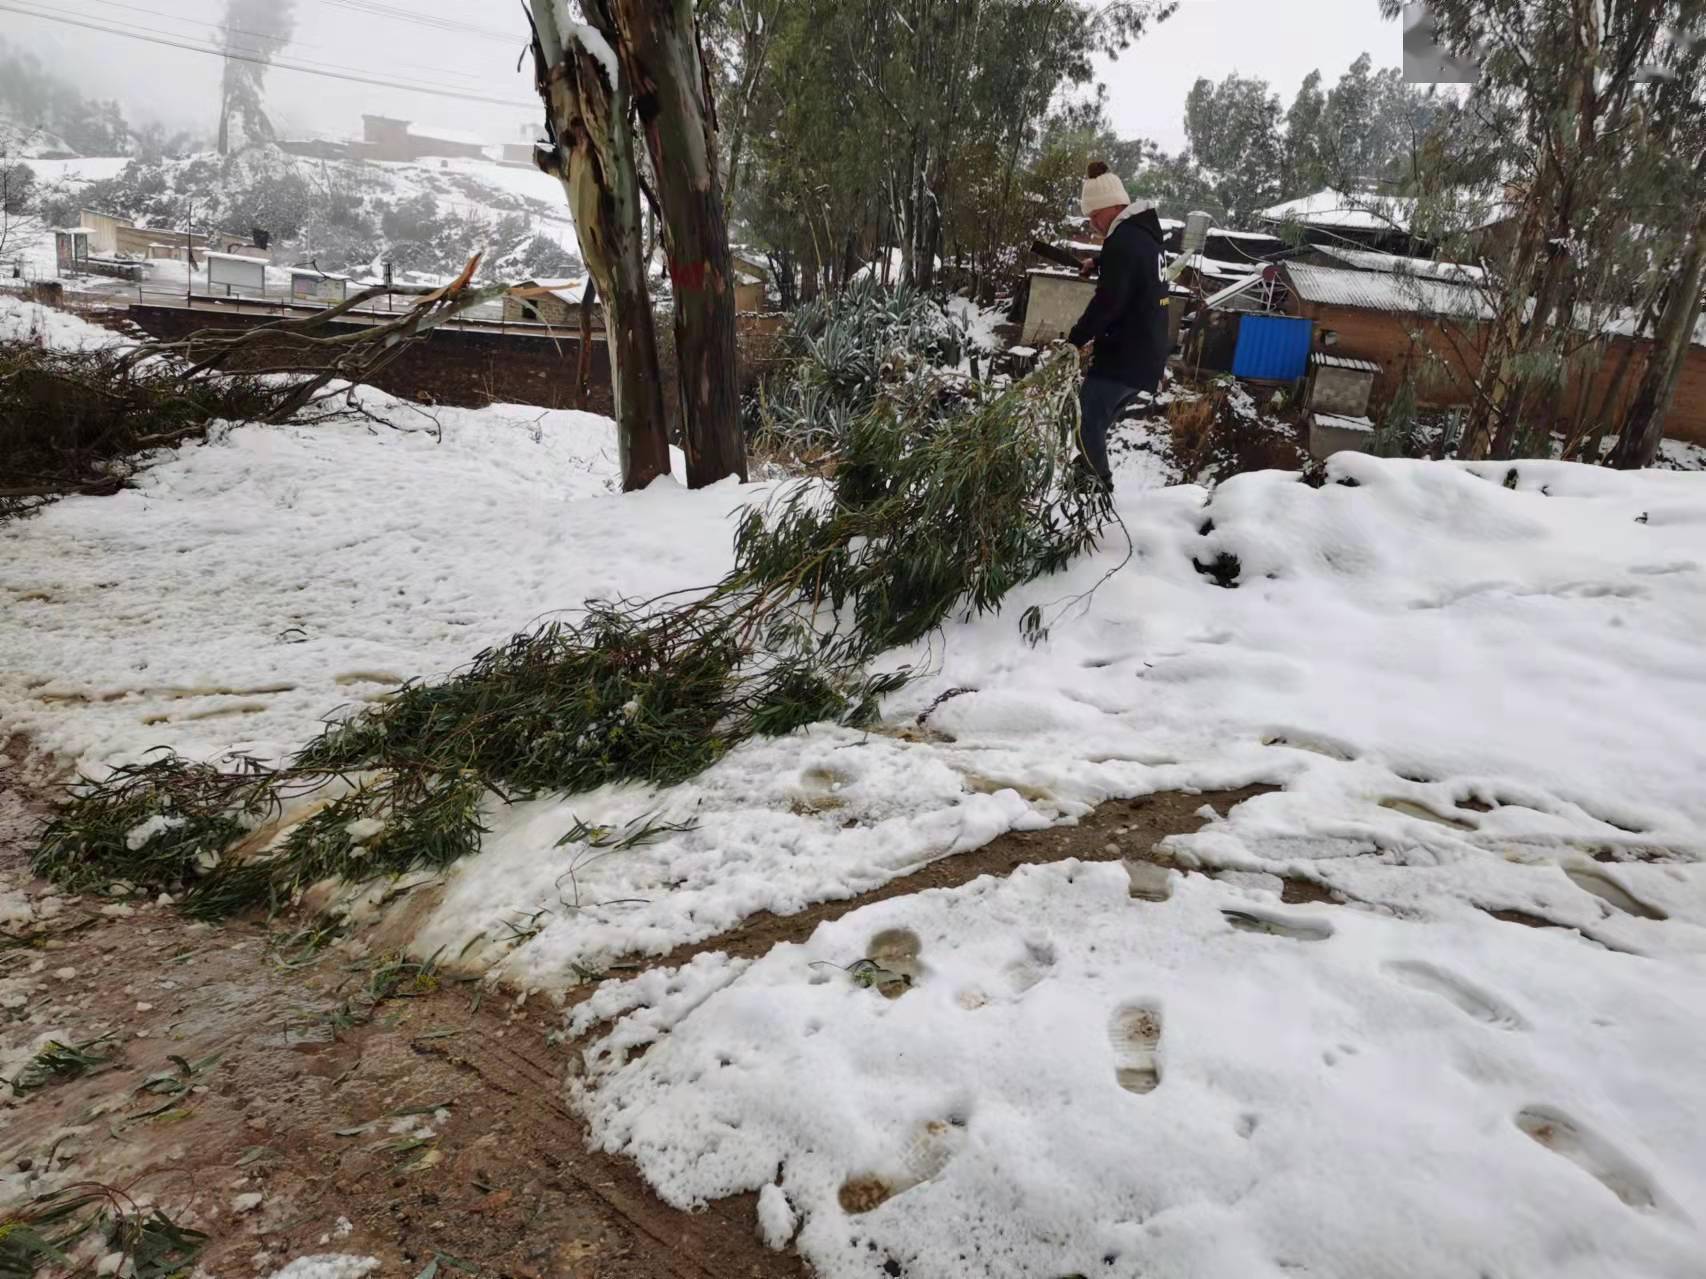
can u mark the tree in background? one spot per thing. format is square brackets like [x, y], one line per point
[17, 187]
[1244, 153]
[53, 110]
[901, 135]
[252, 34]
[1234, 133]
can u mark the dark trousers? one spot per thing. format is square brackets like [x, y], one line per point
[1100, 400]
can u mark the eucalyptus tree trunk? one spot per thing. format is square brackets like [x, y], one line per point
[587, 102]
[660, 49]
[1644, 428]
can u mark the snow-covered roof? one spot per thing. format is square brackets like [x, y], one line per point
[1241, 235]
[1395, 264]
[1221, 268]
[569, 290]
[236, 257]
[1380, 291]
[1346, 210]
[1340, 423]
[436, 134]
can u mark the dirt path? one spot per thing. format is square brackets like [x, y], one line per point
[289, 1102]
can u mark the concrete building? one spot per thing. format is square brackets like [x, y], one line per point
[111, 236]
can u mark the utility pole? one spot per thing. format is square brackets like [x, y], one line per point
[189, 252]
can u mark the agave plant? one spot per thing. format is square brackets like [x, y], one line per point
[839, 354]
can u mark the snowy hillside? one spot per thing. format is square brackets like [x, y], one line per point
[343, 214]
[1427, 1008]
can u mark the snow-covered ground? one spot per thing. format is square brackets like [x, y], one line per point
[1217, 1084]
[245, 588]
[1477, 696]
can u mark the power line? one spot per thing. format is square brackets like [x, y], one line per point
[410, 16]
[260, 35]
[272, 62]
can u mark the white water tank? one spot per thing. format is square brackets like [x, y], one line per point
[1197, 224]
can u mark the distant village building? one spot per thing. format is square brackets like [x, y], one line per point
[519, 149]
[559, 306]
[385, 138]
[111, 236]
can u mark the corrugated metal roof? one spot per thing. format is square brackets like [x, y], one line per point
[1344, 362]
[1375, 291]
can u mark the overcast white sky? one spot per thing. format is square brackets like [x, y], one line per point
[1278, 40]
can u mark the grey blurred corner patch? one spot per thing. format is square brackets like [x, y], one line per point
[1424, 61]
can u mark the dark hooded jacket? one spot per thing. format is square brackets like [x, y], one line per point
[1127, 319]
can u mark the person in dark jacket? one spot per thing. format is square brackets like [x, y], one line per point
[1125, 325]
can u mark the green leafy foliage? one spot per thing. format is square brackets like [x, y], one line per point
[57, 1062]
[42, 1233]
[927, 517]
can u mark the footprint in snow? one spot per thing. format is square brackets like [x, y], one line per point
[1134, 1031]
[1411, 809]
[1274, 925]
[1030, 968]
[1613, 894]
[895, 951]
[1436, 981]
[931, 1149]
[1312, 743]
[1591, 1153]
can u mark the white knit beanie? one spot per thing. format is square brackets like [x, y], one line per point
[1103, 191]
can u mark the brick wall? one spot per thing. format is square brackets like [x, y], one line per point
[1399, 342]
[452, 366]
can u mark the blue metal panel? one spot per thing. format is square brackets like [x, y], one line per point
[1272, 348]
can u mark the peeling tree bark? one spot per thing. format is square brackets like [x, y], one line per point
[660, 52]
[587, 118]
